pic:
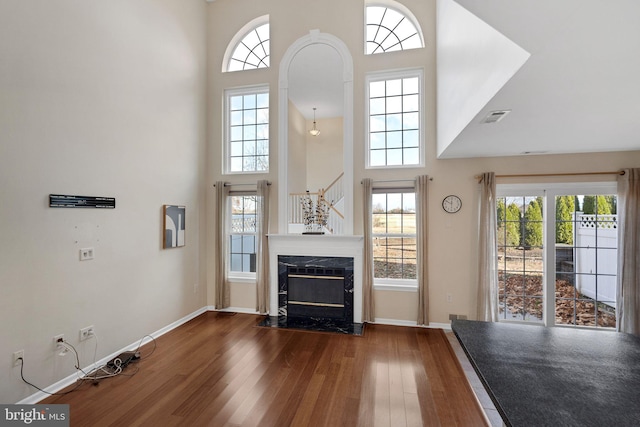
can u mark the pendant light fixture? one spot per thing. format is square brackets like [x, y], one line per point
[314, 131]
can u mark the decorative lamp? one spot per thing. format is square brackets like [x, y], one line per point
[315, 131]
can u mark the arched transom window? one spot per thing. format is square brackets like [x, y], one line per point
[252, 51]
[391, 29]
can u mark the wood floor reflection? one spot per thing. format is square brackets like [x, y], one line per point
[223, 370]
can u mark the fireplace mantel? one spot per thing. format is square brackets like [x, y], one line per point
[326, 245]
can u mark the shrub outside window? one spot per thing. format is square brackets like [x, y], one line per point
[557, 255]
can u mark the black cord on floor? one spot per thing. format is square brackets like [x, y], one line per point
[80, 382]
[86, 377]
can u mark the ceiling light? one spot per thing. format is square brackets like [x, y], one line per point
[495, 116]
[314, 131]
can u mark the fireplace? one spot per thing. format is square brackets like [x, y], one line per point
[315, 287]
[336, 263]
[316, 292]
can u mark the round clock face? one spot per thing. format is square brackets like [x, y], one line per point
[451, 204]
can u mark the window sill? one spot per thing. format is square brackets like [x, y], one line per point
[414, 166]
[228, 172]
[242, 279]
[396, 287]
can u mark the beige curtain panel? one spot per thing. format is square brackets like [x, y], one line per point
[628, 289]
[222, 292]
[422, 255]
[262, 249]
[368, 306]
[487, 250]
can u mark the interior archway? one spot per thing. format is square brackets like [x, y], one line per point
[313, 38]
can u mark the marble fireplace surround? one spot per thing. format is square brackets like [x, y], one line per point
[316, 246]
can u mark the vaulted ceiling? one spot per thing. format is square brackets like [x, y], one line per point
[577, 91]
[568, 71]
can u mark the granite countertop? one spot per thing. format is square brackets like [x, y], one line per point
[539, 376]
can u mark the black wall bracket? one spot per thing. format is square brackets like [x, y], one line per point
[65, 201]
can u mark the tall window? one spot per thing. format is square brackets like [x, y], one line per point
[391, 29]
[520, 265]
[561, 244]
[394, 236]
[247, 130]
[586, 259]
[395, 117]
[242, 235]
[252, 51]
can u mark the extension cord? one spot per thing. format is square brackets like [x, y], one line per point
[123, 359]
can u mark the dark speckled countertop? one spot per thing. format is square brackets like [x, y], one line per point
[539, 376]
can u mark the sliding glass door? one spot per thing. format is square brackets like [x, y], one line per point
[557, 254]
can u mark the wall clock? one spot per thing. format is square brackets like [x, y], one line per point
[451, 204]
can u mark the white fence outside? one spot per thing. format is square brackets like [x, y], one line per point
[596, 251]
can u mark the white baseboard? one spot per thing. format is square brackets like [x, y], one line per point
[445, 326]
[396, 322]
[243, 310]
[71, 379]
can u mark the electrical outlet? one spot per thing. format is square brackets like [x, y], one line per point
[57, 341]
[86, 333]
[17, 356]
[195, 288]
[449, 298]
[86, 254]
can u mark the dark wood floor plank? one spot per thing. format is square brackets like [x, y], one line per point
[304, 412]
[253, 415]
[246, 362]
[221, 369]
[366, 407]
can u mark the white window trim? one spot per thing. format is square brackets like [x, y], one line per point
[549, 191]
[390, 75]
[238, 37]
[226, 155]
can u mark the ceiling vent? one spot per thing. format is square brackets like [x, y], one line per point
[495, 116]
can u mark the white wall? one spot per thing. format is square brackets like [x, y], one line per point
[465, 43]
[297, 151]
[101, 99]
[324, 153]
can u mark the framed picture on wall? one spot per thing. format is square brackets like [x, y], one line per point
[174, 226]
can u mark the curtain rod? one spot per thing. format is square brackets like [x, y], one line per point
[524, 175]
[397, 180]
[228, 184]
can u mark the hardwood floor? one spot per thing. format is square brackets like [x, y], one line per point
[222, 370]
